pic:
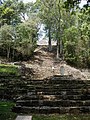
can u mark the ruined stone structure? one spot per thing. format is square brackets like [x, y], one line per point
[58, 94]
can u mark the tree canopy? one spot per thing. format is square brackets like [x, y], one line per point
[64, 22]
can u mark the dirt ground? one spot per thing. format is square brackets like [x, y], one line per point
[45, 64]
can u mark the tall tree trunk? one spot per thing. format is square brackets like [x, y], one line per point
[8, 52]
[60, 34]
[59, 45]
[13, 55]
[49, 42]
[61, 49]
[57, 49]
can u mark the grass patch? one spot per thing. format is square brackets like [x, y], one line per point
[61, 117]
[5, 111]
[6, 70]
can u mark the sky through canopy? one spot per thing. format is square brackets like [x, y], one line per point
[82, 2]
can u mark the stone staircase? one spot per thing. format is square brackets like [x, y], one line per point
[58, 94]
[10, 87]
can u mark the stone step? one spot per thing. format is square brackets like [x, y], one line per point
[49, 87]
[7, 92]
[51, 110]
[9, 76]
[36, 85]
[45, 83]
[29, 97]
[53, 103]
[65, 97]
[55, 97]
[54, 81]
[13, 91]
[57, 85]
[45, 88]
[62, 77]
[69, 82]
[58, 93]
[63, 92]
[35, 82]
[66, 77]
[11, 80]
[49, 83]
[61, 86]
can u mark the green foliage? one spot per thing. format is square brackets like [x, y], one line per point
[5, 111]
[20, 39]
[27, 30]
[71, 34]
[64, 21]
[61, 117]
[27, 37]
[17, 35]
[70, 26]
[6, 70]
[6, 38]
[6, 33]
[9, 12]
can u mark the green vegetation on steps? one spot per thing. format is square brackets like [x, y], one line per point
[6, 70]
[6, 112]
[61, 117]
